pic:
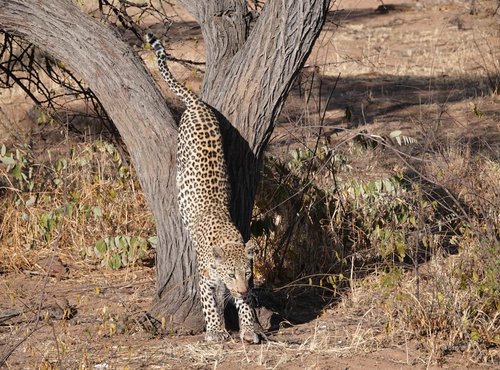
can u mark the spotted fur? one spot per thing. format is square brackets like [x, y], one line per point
[204, 194]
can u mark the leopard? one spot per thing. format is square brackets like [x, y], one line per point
[224, 259]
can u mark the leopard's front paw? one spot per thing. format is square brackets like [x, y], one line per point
[217, 336]
[250, 334]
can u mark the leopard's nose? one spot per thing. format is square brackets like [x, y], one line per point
[243, 293]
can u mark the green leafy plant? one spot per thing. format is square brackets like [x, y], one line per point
[116, 252]
[76, 198]
[19, 166]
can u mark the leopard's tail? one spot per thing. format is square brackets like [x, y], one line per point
[187, 96]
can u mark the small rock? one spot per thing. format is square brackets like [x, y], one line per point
[53, 266]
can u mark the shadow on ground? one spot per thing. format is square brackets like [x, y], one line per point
[374, 95]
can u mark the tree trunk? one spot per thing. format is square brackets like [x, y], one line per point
[247, 80]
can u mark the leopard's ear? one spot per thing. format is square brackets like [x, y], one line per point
[218, 254]
[250, 246]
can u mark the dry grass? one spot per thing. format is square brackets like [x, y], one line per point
[78, 196]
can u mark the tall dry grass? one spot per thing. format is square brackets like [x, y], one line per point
[69, 195]
[407, 227]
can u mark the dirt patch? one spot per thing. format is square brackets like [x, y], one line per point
[103, 331]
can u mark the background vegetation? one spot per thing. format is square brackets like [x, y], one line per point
[393, 221]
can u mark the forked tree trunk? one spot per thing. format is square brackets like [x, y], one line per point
[248, 78]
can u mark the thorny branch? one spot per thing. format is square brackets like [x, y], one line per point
[22, 64]
[36, 73]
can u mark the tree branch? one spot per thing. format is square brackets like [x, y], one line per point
[262, 72]
[224, 25]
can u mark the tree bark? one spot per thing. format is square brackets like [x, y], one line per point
[224, 26]
[247, 80]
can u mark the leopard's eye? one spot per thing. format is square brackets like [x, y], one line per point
[231, 276]
[248, 274]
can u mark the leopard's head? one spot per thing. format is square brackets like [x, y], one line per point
[233, 265]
